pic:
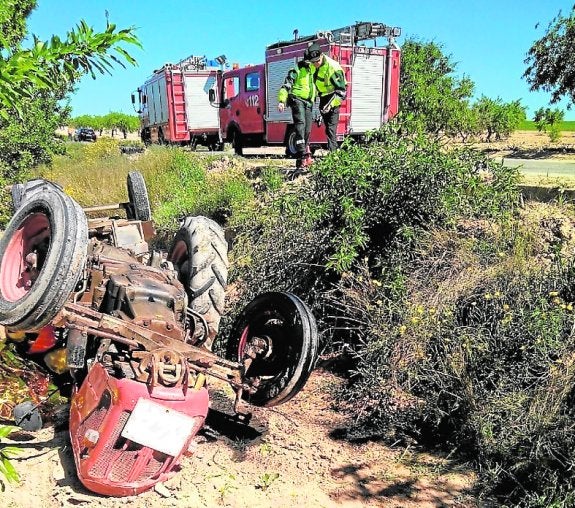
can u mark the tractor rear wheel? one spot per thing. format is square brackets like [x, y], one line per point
[42, 255]
[199, 253]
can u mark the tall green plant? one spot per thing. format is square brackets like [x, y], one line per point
[35, 79]
[6, 453]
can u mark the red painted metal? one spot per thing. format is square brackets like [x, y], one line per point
[106, 462]
[177, 124]
[17, 271]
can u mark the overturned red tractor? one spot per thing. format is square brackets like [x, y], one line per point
[134, 330]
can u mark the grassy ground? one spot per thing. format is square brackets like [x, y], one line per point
[566, 126]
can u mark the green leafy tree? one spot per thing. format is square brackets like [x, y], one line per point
[34, 82]
[128, 123]
[112, 121]
[47, 65]
[549, 120]
[496, 118]
[551, 59]
[430, 94]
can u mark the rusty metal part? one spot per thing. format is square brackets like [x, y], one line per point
[137, 337]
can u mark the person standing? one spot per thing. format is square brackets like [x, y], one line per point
[299, 93]
[331, 86]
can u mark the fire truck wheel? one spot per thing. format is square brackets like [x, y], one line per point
[139, 208]
[199, 253]
[42, 255]
[284, 329]
[290, 143]
[237, 142]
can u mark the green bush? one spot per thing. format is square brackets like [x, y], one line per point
[380, 195]
[480, 359]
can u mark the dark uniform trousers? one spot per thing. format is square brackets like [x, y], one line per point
[331, 119]
[301, 111]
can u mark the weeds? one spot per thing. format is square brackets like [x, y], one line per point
[266, 481]
[6, 453]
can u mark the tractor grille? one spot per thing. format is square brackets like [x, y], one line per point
[120, 457]
[92, 422]
[99, 469]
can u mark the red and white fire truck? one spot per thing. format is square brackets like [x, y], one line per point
[247, 96]
[174, 106]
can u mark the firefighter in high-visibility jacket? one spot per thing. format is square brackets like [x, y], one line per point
[331, 87]
[299, 93]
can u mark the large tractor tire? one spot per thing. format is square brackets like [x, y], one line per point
[42, 255]
[139, 208]
[199, 253]
[286, 331]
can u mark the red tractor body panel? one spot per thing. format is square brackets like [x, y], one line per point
[110, 463]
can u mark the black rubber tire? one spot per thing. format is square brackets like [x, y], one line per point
[237, 142]
[17, 192]
[291, 327]
[290, 150]
[138, 195]
[199, 253]
[54, 226]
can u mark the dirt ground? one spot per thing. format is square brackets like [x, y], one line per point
[289, 456]
[532, 144]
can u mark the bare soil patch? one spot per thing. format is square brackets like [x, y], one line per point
[531, 145]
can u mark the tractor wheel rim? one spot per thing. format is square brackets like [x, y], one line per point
[17, 275]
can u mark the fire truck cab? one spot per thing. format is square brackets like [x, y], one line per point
[248, 107]
[243, 107]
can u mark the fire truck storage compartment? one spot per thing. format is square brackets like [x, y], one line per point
[199, 112]
[368, 89]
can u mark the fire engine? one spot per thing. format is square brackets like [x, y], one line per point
[248, 95]
[174, 106]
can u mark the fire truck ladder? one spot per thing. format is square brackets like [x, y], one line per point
[180, 118]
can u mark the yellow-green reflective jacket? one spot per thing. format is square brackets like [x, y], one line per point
[299, 83]
[329, 78]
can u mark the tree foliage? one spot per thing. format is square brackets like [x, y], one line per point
[440, 103]
[47, 65]
[430, 93]
[551, 59]
[497, 118]
[548, 120]
[113, 121]
[35, 81]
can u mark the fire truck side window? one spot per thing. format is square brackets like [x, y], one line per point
[252, 81]
[231, 87]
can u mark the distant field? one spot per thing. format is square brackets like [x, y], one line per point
[529, 125]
